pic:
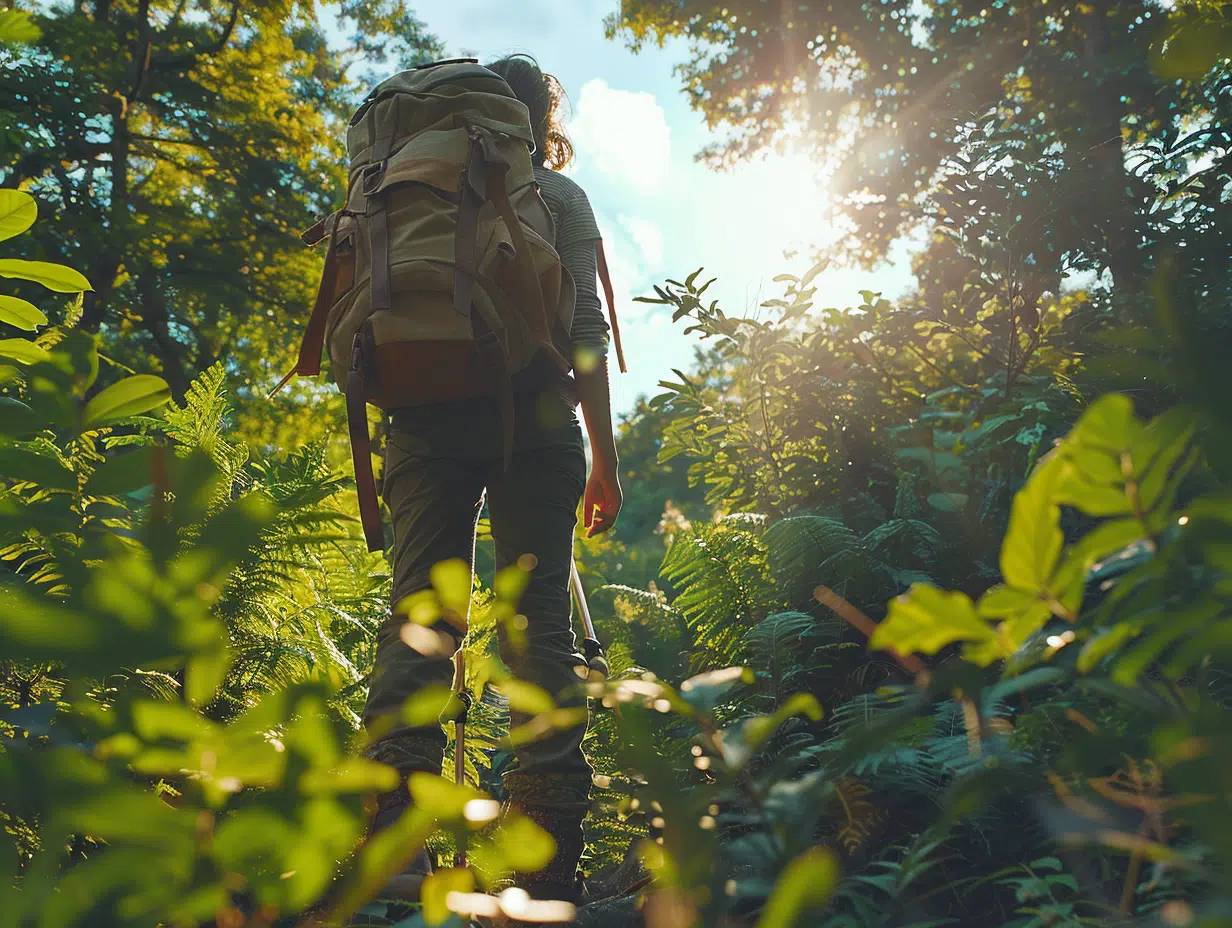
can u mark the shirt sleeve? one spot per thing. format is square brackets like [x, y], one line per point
[575, 243]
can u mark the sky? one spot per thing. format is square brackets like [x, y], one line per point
[662, 214]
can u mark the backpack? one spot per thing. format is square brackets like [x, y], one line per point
[441, 281]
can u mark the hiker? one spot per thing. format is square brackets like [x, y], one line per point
[442, 459]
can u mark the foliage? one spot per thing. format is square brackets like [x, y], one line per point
[181, 148]
[177, 732]
[1008, 124]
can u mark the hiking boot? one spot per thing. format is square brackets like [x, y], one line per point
[406, 885]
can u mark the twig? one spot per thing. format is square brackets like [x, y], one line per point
[866, 626]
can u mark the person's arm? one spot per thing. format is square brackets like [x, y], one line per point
[602, 500]
[576, 235]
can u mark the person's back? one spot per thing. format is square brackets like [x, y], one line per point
[442, 461]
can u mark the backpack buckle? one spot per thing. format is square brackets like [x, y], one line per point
[370, 177]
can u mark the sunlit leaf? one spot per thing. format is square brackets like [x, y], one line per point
[526, 697]
[437, 887]
[23, 351]
[18, 28]
[518, 844]
[805, 885]
[706, 690]
[129, 397]
[18, 210]
[21, 314]
[55, 277]
[1033, 540]
[926, 619]
[452, 581]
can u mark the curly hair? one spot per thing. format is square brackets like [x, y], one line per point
[544, 97]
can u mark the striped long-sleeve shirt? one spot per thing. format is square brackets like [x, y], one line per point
[576, 234]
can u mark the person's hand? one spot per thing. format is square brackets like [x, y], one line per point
[601, 501]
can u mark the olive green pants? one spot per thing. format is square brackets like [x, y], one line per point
[440, 462]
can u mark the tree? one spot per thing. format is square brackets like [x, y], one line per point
[1073, 108]
[180, 148]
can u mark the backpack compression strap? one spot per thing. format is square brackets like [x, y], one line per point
[606, 279]
[308, 364]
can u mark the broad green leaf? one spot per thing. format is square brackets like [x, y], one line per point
[41, 469]
[526, 697]
[23, 351]
[122, 473]
[130, 397]
[948, 502]
[21, 314]
[18, 210]
[351, 775]
[1108, 424]
[759, 728]
[1003, 601]
[805, 885]
[425, 707]
[206, 670]
[1033, 540]
[17, 28]
[446, 801]
[1105, 642]
[55, 277]
[436, 888]
[1097, 544]
[518, 844]
[926, 619]
[452, 581]
[706, 690]
[17, 420]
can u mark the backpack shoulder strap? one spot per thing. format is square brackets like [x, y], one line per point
[606, 279]
[308, 362]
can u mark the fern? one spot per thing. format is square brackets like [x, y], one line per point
[724, 586]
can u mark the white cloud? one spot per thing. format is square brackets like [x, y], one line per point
[648, 238]
[624, 134]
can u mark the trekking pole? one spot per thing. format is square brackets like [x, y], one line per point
[591, 647]
[460, 705]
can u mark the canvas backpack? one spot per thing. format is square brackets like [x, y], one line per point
[441, 280]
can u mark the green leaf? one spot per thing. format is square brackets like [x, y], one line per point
[17, 420]
[17, 28]
[18, 210]
[706, 690]
[130, 397]
[757, 729]
[926, 619]
[1033, 540]
[806, 884]
[518, 844]
[526, 697]
[55, 277]
[41, 469]
[21, 313]
[436, 888]
[446, 801]
[948, 502]
[425, 707]
[1196, 44]
[1108, 424]
[23, 351]
[1105, 642]
[452, 581]
[122, 473]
